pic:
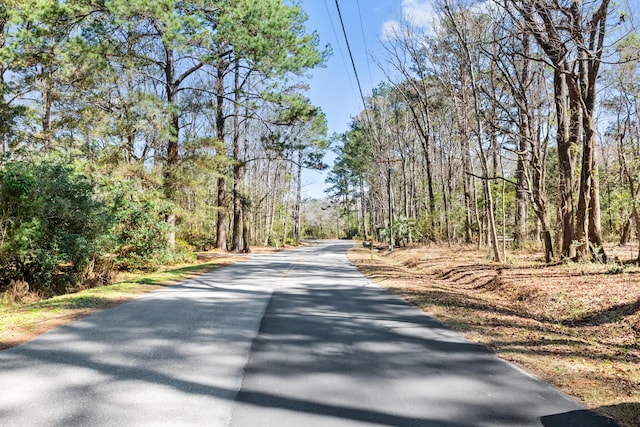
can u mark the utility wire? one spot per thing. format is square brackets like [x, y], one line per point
[353, 64]
[335, 35]
[355, 71]
[364, 40]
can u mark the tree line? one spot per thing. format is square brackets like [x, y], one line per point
[133, 132]
[505, 123]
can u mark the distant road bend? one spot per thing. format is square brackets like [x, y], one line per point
[298, 338]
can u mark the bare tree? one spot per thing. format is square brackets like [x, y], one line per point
[460, 25]
[574, 49]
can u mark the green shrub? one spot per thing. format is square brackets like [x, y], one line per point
[140, 234]
[139, 237]
[182, 253]
[52, 227]
[199, 240]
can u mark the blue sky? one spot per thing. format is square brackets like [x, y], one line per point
[334, 87]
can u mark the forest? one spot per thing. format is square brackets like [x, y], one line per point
[133, 133]
[508, 124]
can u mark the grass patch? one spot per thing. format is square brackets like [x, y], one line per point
[576, 326]
[21, 322]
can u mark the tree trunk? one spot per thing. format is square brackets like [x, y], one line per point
[221, 238]
[584, 203]
[246, 248]
[468, 176]
[521, 199]
[579, 88]
[45, 81]
[489, 208]
[405, 187]
[548, 244]
[170, 177]
[221, 227]
[566, 171]
[446, 191]
[636, 220]
[625, 232]
[427, 158]
[237, 164]
[595, 229]
[589, 68]
[525, 142]
[363, 206]
[298, 203]
[540, 208]
[268, 220]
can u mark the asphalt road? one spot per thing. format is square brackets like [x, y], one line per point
[298, 338]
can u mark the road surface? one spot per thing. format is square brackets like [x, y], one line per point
[298, 338]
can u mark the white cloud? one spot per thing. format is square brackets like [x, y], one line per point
[417, 13]
[390, 29]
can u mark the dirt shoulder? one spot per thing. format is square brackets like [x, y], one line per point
[30, 317]
[576, 326]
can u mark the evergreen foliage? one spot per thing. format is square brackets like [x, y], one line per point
[52, 227]
[166, 105]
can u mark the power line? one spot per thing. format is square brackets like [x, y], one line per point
[335, 34]
[364, 40]
[353, 64]
[355, 71]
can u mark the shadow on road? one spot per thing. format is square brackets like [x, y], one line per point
[575, 419]
[330, 337]
[333, 349]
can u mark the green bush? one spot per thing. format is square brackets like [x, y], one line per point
[140, 234]
[406, 231]
[182, 253]
[51, 226]
[199, 240]
[54, 231]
